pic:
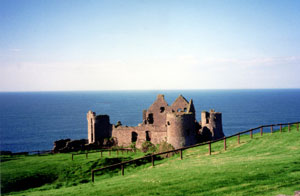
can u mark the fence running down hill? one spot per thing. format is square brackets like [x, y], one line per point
[109, 150]
[152, 156]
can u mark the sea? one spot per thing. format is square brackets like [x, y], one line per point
[31, 121]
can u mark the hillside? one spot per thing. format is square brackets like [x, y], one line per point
[267, 165]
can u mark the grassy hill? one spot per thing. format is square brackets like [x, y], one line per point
[267, 165]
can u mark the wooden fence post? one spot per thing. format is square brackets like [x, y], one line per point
[122, 170]
[152, 160]
[297, 126]
[109, 152]
[117, 152]
[271, 128]
[180, 154]
[251, 134]
[261, 131]
[101, 153]
[289, 128]
[209, 148]
[93, 176]
[238, 138]
[280, 128]
[225, 143]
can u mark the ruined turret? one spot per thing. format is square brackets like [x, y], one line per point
[181, 129]
[212, 121]
[91, 126]
[99, 127]
[181, 126]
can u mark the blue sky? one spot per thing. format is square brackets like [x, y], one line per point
[126, 45]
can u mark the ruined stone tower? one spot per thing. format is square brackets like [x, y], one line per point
[91, 126]
[99, 127]
[181, 129]
[175, 124]
[212, 121]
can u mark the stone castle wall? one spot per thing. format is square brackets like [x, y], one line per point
[125, 136]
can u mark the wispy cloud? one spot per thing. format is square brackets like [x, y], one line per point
[259, 61]
[15, 50]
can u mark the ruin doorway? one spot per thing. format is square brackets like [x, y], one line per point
[148, 138]
[134, 136]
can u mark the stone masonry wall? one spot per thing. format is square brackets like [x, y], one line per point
[181, 129]
[124, 134]
[158, 111]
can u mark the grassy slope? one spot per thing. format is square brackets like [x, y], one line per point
[54, 171]
[262, 166]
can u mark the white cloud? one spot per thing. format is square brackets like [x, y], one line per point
[184, 72]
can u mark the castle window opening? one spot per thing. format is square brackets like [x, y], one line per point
[134, 136]
[148, 138]
[162, 109]
[179, 110]
[150, 118]
[168, 123]
[184, 110]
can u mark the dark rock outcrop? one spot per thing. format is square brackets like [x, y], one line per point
[68, 145]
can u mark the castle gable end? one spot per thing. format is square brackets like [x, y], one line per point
[180, 104]
[156, 114]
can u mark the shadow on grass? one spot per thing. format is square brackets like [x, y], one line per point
[27, 182]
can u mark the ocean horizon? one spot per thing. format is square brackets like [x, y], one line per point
[34, 120]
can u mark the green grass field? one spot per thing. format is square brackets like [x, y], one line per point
[267, 165]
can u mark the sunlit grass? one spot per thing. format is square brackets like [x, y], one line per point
[264, 165]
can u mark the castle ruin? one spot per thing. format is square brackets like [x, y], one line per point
[175, 124]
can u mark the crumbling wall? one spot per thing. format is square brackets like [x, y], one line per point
[180, 104]
[156, 114]
[99, 127]
[125, 135]
[212, 122]
[103, 128]
[216, 125]
[122, 135]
